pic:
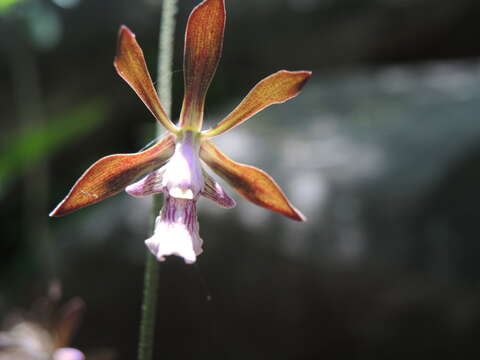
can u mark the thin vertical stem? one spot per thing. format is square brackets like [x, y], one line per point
[165, 56]
[147, 323]
[164, 83]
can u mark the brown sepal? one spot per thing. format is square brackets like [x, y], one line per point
[274, 89]
[203, 49]
[111, 174]
[251, 183]
[130, 65]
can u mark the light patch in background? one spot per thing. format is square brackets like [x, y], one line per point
[241, 146]
[252, 216]
[449, 79]
[395, 80]
[338, 155]
[132, 215]
[350, 244]
[310, 189]
[66, 3]
[309, 192]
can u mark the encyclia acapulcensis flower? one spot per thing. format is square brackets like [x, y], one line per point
[173, 165]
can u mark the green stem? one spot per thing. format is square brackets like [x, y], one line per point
[165, 57]
[164, 81]
[147, 323]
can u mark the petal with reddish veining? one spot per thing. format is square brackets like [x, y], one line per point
[203, 48]
[131, 66]
[148, 185]
[112, 174]
[251, 183]
[274, 89]
[212, 190]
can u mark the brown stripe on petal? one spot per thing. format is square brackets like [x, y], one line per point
[274, 89]
[131, 66]
[203, 49]
[250, 182]
[111, 174]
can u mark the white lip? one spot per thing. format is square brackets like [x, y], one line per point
[176, 231]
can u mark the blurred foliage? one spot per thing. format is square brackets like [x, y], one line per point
[6, 5]
[44, 24]
[42, 20]
[36, 142]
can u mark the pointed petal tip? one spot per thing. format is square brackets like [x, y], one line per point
[219, 3]
[307, 75]
[53, 213]
[65, 207]
[60, 209]
[298, 216]
[289, 211]
[124, 29]
[303, 77]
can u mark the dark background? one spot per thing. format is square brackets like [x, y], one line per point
[381, 152]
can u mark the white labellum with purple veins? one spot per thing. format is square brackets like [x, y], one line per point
[182, 180]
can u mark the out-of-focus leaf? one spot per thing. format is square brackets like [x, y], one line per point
[35, 143]
[6, 5]
[44, 24]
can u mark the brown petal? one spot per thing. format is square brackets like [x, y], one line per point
[275, 89]
[111, 174]
[251, 183]
[203, 48]
[131, 66]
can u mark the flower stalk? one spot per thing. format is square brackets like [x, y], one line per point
[164, 89]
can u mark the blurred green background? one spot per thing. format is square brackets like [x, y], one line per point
[381, 152]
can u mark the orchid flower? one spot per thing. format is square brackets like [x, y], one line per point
[173, 165]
